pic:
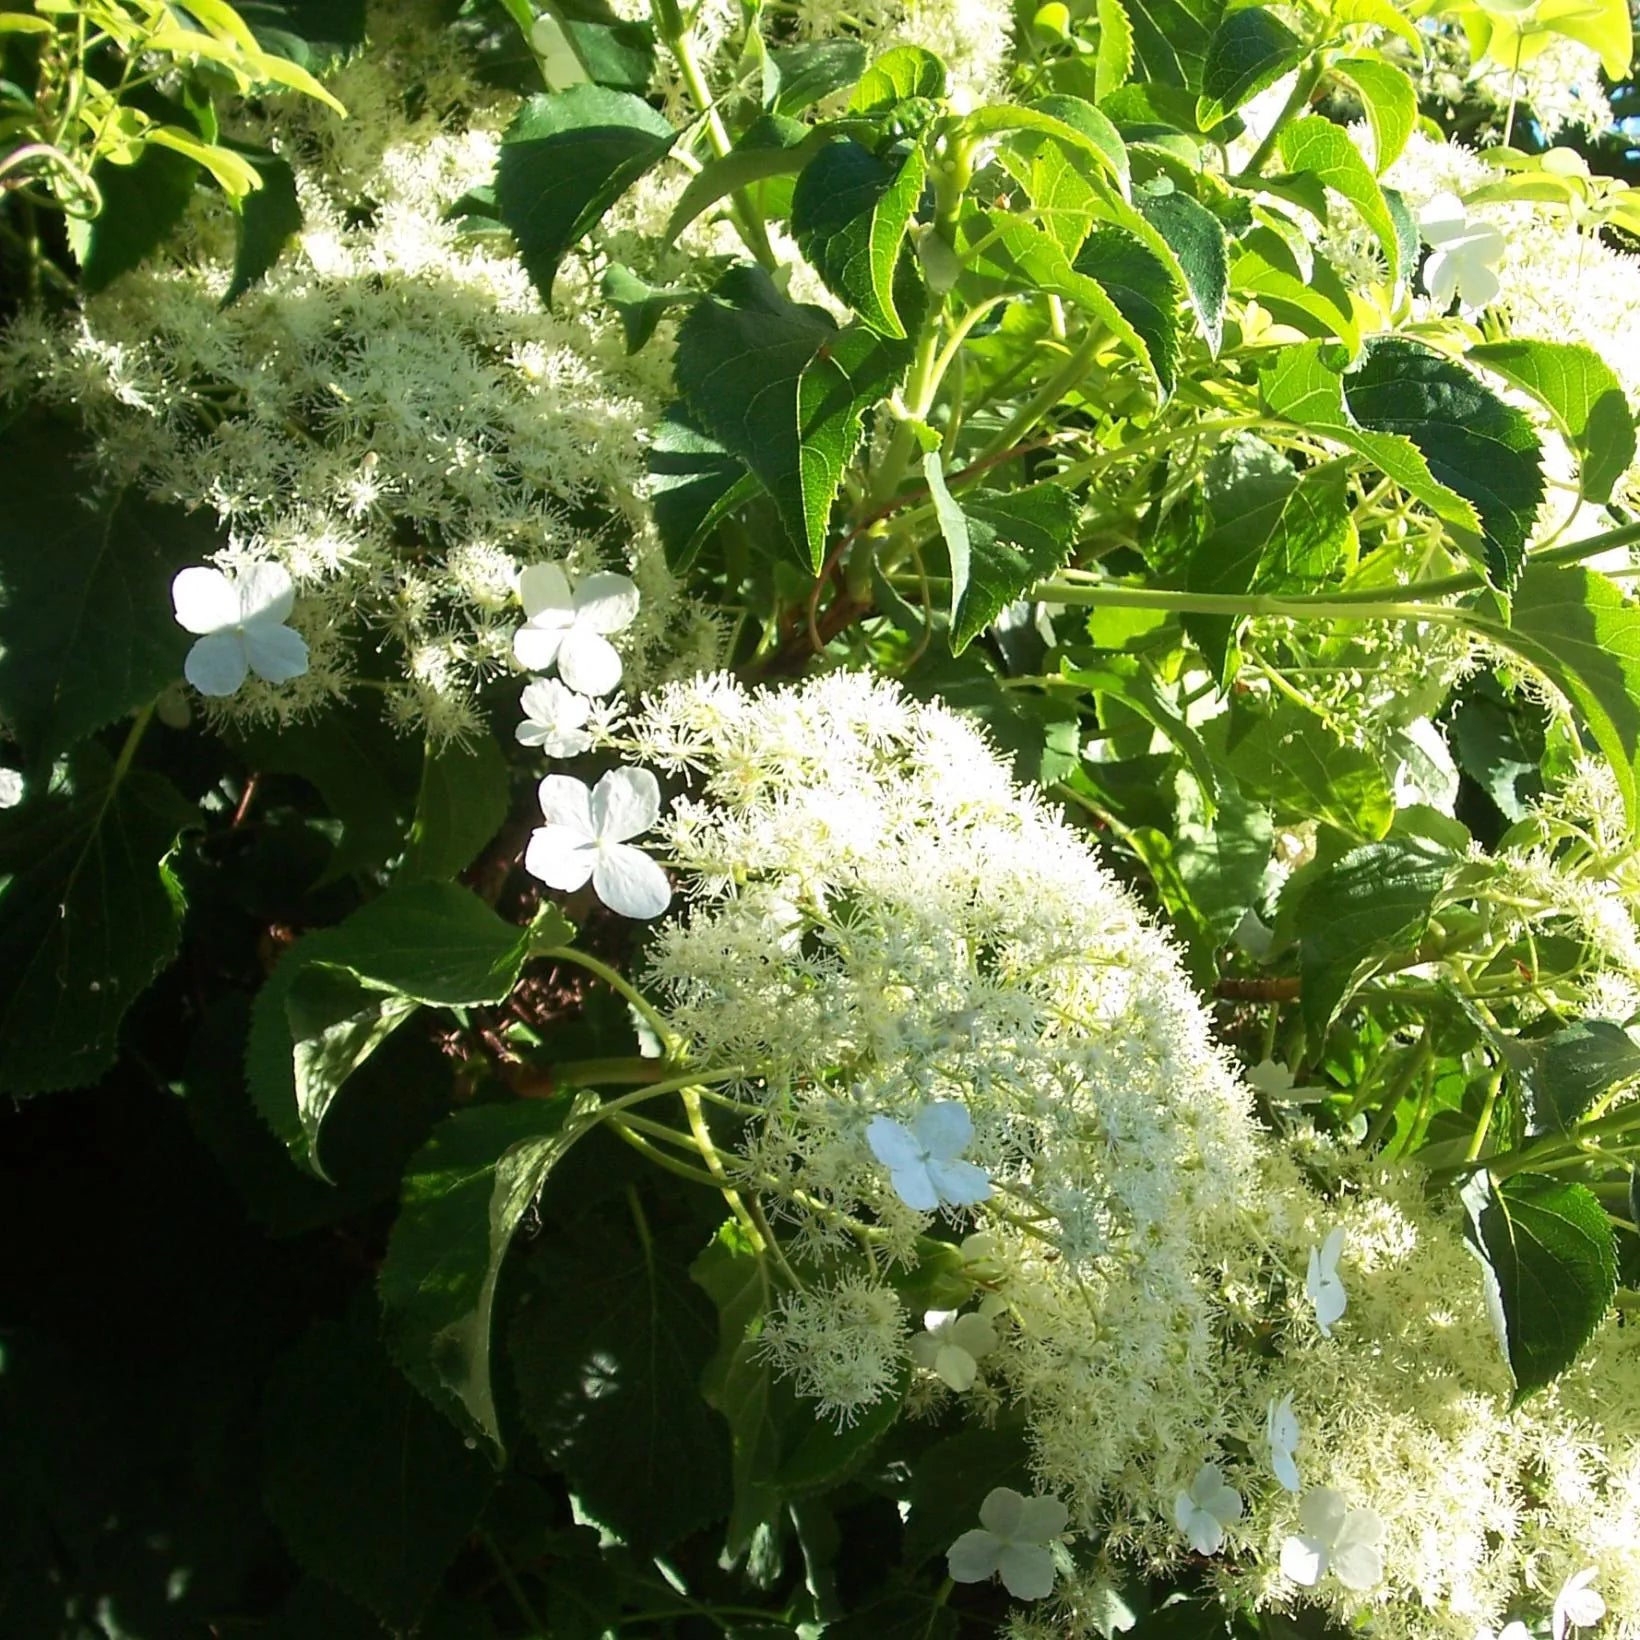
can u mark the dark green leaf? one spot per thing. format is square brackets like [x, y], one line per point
[849, 215]
[87, 631]
[89, 914]
[608, 1352]
[1580, 631]
[896, 77]
[1549, 1247]
[463, 800]
[141, 204]
[1171, 39]
[465, 1194]
[1475, 444]
[1565, 1072]
[615, 52]
[1581, 391]
[1250, 50]
[566, 158]
[773, 147]
[1366, 909]
[808, 74]
[641, 305]
[267, 219]
[951, 1480]
[1197, 238]
[694, 482]
[1144, 290]
[371, 1488]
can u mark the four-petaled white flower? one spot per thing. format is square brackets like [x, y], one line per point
[555, 719]
[1463, 253]
[1207, 1509]
[586, 836]
[1281, 1434]
[241, 623]
[1334, 1538]
[922, 1159]
[1012, 1538]
[572, 630]
[1577, 1606]
[1322, 1285]
[953, 1345]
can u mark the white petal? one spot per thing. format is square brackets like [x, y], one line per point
[1303, 1560]
[629, 882]
[944, 1128]
[1330, 1304]
[1332, 1250]
[1478, 285]
[1443, 218]
[925, 1351]
[1321, 1511]
[1204, 1531]
[566, 802]
[1441, 279]
[536, 647]
[205, 600]
[1206, 1484]
[266, 593]
[960, 1184]
[625, 804]
[973, 1557]
[1002, 1511]
[1027, 1571]
[588, 662]
[975, 1334]
[1184, 1512]
[892, 1144]
[275, 652]
[957, 1367]
[547, 701]
[1041, 1520]
[1362, 1526]
[606, 603]
[543, 590]
[1358, 1566]
[560, 857]
[914, 1187]
[553, 741]
[1286, 1469]
[216, 665]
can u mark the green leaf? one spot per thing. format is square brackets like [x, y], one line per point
[1295, 763]
[952, 1478]
[805, 75]
[1250, 50]
[1264, 267]
[141, 204]
[425, 943]
[896, 77]
[1072, 123]
[1144, 290]
[1580, 631]
[1303, 388]
[1171, 39]
[694, 482]
[1114, 61]
[1197, 238]
[87, 631]
[614, 52]
[1028, 258]
[1391, 104]
[780, 387]
[1583, 395]
[999, 545]
[1564, 1073]
[267, 219]
[1314, 146]
[89, 915]
[1476, 445]
[465, 1194]
[372, 1490]
[641, 305]
[1549, 1247]
[850, 213]
[1362, 911]
[608, 1349]
[566, 158]
[784, 149]
[462, 803]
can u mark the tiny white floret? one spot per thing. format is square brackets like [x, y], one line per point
[1207, 1510]
[1334, 1538]
[240, 620]
[1012, 1538]
[1281, 1435]
[922, 1159]
[572, 630]
[586, 836]
[1322, 1285]
[953, 1345]
[555, 719]
[1577, 1606]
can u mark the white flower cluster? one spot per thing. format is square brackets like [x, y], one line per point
[943, 1010]
[392, 417]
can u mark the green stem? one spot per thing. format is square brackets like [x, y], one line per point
[515, 1589]
[1319, 607]
[1067, 376]
[617, 982]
